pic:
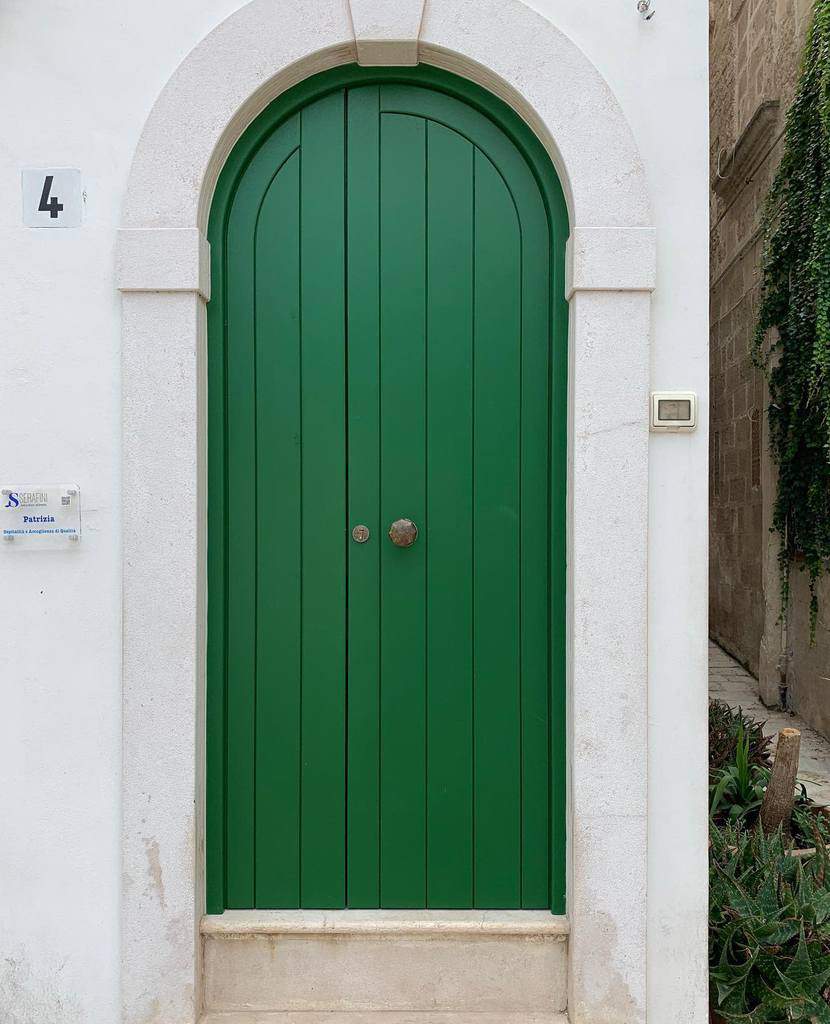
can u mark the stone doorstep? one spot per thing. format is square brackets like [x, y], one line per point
[386, 922]
[385, 967]
[381, 1017]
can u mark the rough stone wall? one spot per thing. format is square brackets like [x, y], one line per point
[808, 668]
[755, 54]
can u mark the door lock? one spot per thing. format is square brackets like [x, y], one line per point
[403, 533]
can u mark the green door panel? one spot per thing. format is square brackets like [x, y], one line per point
[363, 241]
[323, 498]
[278, 538]
[387, 339]
[497, 540]
[449, 584]
[271, 170]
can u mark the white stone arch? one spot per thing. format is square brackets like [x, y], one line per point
[263, 49]
[163, 273]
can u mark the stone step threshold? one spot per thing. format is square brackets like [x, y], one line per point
[384, 967]
[387, 922]
[379, 1017]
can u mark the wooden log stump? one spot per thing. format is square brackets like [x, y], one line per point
[779, 798]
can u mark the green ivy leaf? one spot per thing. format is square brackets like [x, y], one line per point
[792, 337]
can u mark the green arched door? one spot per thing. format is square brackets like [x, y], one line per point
[386, 340]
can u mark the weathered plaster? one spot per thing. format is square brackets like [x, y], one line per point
[163, 634]
[27, 996]
[609, 349]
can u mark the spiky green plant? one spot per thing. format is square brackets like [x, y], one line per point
[724, 722]
[738, 789]
[769, 929]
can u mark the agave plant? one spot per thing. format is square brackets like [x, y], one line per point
[769, 929]
[808, 819]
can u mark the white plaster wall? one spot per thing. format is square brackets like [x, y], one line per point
[659, 73]
[79, 78]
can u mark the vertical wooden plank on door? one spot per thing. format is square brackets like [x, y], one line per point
[323, 643]
[241, 546]
[558, 559]
[216, 681]
[450, 515]
[362, 219]
[534, 549]
[278, 524]
[402, 731]
[497, 385]
[238, 670]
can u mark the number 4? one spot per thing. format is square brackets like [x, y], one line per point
[51, 206]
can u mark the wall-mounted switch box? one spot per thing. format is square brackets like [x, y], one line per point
[673, 410]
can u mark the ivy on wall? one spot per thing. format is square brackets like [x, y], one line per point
[792, 339]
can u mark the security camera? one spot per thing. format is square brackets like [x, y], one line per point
[644, 7]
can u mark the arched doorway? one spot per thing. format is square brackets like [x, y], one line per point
[387, 341]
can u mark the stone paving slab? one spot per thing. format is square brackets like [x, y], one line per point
[729, 681]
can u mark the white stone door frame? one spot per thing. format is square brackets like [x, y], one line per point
[163, 273]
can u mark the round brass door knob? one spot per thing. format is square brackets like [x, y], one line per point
[403, 533]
